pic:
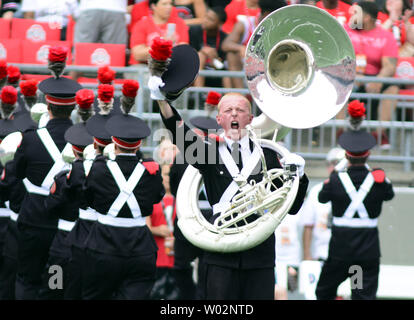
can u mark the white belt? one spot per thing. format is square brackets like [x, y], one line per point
[31, 188]
[13, 216]
[88, 214]
[5, 212]
[355, 222]
[66, 225]
[121, 222]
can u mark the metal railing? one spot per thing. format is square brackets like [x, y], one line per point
[311, 143]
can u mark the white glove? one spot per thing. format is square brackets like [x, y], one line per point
[297, 160]
[154, 84]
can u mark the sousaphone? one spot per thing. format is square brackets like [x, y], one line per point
[300, 70]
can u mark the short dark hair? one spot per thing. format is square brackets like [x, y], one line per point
[369, 8]
[61, 112]
[221, 13]
[271, 5]
[150, 2]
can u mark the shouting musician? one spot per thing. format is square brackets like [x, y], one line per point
[38, 159]
[356, 195]
[247, 274]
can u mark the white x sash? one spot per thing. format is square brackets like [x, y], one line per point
[127, 188]
[231, 166]
[58, 165]
[357, 204]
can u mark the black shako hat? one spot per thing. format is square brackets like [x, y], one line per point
[205, 123]
[78, 136]
[126, 130]
[96, 126]
[60, 91]
[181, 72]
[358, 141]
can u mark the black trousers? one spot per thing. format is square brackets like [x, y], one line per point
[74, 270]
[224, 283]
[116, 277]
[34, 244]
[8, 278]
[184, 254]
[335, 271]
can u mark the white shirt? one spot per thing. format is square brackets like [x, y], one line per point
[244, 147]
[111, 5]
[288, 247]
[51, 11]
[313, 213]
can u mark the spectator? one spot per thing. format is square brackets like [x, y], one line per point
[397, 18]
[207, 39]
[161, 225]
[192, 11]
[237, 9]
[235, 43]
[161, 23]
[288, 253]
[377, 52]
[9, 8]
[55, 12]
[141, 9]
[315, 216]
[337, 8]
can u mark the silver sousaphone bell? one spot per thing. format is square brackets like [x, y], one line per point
[300, 69]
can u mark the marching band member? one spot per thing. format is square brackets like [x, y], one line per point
[185, 251]
[95, 126]
[247, 274]
[64, 202]
[356, 195]
[38, 159]
[120, 249]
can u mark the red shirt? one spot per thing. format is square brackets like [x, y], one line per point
[235, 8]
[341, 12]
[157, 219]
[142, 9]
[374, 44]
[146, 30]
[398, 29]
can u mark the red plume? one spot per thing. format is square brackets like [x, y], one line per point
[85, 98]
[13, 74]
[57, 54]
[105, 92]
[130, 88]
[356, 109]
[9, 95]
[3, 69]
[161, 49]
[213, 98]
[28, 88]
[106, 75]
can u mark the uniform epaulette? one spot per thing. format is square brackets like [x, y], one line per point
[379, 175]
[151, 166]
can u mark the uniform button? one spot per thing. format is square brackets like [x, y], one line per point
[221, 172]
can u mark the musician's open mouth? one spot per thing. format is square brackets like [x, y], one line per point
[234, 125]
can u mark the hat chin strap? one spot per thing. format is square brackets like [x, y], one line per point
[358, 154]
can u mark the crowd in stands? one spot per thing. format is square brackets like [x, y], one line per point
[219, 30]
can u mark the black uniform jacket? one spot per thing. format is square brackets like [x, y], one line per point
[34, 162]
[101, 191]
[355, 243]
[216, 180]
